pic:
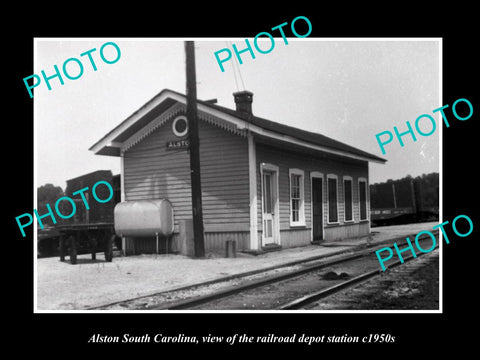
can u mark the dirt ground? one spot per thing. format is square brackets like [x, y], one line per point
[63, 286]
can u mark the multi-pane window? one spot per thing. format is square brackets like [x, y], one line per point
[295, 196]
[332, 199]
[297, 212]
[347, 192]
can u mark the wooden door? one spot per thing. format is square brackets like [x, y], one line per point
[317, 208]
[268, 208]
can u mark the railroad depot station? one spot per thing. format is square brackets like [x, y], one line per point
[264, 185]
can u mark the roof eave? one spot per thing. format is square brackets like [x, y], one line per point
[108, 140]
[109, 147]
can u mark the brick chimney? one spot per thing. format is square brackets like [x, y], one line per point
[243, 102]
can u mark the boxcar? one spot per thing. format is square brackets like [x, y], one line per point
[406, 200]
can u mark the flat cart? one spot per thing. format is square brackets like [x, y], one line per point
[91, 229]
[86, 238]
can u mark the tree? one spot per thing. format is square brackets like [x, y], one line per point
[49, 193]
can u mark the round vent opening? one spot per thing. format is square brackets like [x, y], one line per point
[180, 126]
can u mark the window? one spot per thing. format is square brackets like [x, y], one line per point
[295, 197]
[297, 208]
[332, 199]
[362, 189]
[347, 196]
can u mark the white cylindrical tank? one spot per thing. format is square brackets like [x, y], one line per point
[144, 218]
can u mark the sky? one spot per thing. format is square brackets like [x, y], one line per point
[346, 89]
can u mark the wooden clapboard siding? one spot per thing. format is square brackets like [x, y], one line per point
[295, 237]
[286, 160]
[224, 170]
[216, 240]
[153, 172]
[348, 231]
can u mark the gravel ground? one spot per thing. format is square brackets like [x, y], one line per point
[410, 286]
[87, 284]
[62, 286]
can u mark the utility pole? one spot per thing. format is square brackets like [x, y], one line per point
[194, 150]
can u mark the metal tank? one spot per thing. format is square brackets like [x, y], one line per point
[144, 218]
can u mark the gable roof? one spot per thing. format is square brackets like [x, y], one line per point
[110, 143]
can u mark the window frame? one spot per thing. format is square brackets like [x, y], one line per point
[332, 176]
[367, 213]
[301, 210]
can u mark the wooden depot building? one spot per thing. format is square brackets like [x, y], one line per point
[264, 184]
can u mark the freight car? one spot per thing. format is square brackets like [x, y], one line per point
[88, 231]
[404, 201]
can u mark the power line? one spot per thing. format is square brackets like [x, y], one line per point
[233, 69]
[238, 69]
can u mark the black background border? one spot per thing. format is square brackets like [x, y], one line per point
[430, 332]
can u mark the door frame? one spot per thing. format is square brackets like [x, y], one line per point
[274, 169]
[318, 175]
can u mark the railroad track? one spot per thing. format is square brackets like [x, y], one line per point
[205, 299]
[304, 301]
[226, 297]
